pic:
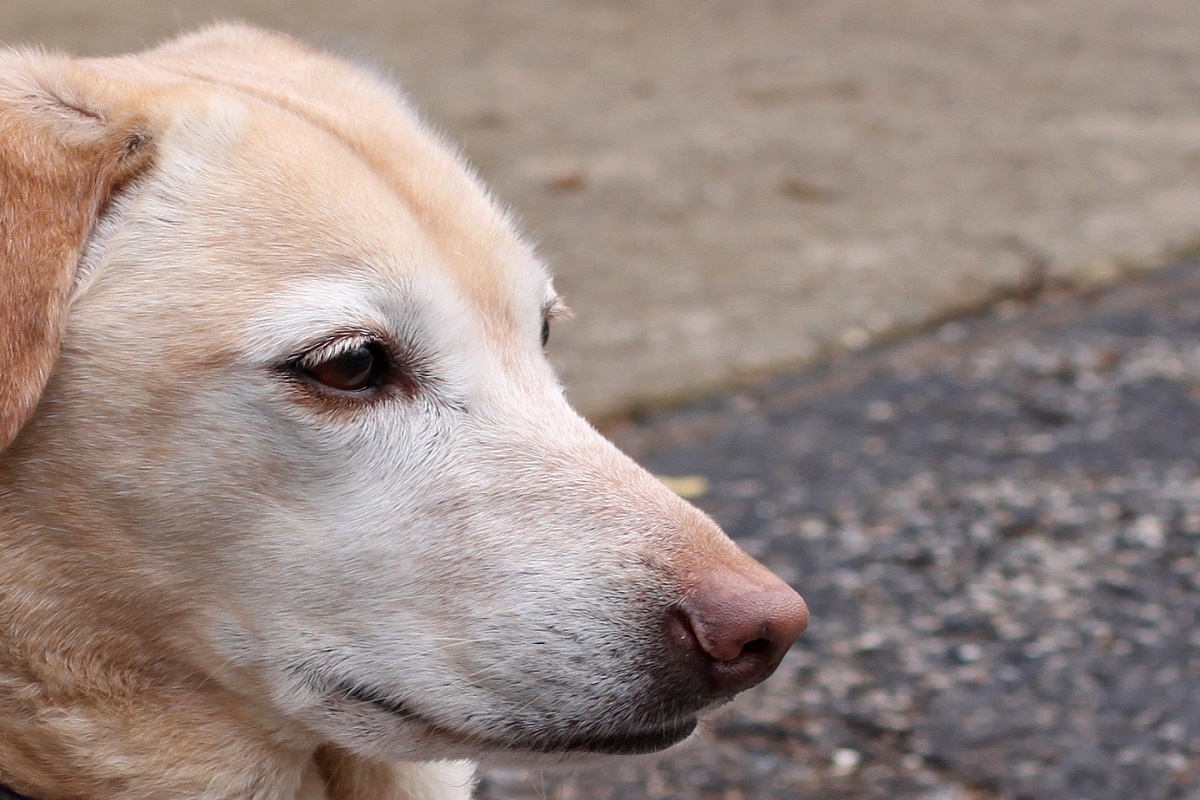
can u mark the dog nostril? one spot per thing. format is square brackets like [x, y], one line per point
[758, 647]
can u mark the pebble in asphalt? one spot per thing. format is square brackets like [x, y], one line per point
[997, 528]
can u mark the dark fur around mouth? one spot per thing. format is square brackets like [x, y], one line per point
[375, 697]
[627, 744]
[619, 743]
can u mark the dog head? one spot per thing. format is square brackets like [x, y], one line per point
[273, 375]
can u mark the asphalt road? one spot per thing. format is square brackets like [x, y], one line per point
[997, 527]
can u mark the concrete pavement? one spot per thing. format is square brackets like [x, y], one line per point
[727, 189]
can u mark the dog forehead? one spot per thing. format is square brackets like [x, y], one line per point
[324, 170]
[391, 207]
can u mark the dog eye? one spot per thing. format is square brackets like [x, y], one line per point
[545, 331]
[354, 370]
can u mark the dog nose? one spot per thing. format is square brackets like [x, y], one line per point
[742, 622]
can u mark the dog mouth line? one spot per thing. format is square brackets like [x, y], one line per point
[623, 743]
[375, 697]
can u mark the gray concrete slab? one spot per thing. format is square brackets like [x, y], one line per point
[732, 188]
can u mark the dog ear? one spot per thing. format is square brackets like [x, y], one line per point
[68, 140]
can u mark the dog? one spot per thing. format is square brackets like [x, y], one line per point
[292, 505]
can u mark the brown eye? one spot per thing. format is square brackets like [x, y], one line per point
[545, 332]
[354, 370]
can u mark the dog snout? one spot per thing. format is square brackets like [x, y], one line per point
[738, 623]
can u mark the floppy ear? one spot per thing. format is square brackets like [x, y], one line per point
[64, 149]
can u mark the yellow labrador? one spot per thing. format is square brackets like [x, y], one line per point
[291, 503]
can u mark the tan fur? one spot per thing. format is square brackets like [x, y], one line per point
[353, 778]
[59, 161]
[172, 225]
[89, 710]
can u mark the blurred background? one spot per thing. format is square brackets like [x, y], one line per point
[730, 188]
[864, 239]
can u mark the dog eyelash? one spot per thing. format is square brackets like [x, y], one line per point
[555, 309]
[330, 349]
